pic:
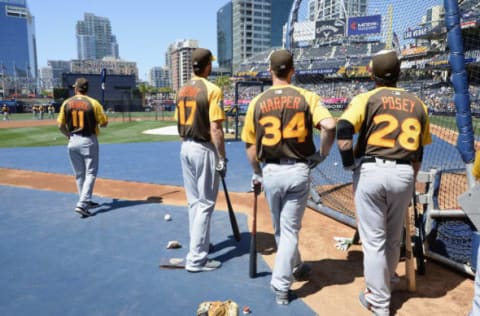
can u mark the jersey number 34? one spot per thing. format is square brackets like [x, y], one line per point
[295, 128]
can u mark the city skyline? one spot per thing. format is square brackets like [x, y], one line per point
[144, 29]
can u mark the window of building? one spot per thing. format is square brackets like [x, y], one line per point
[16, 12]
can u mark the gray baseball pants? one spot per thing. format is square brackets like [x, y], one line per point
[201, 187]
[475, 311]
[83, 152]
[383, 191]
[286, 189]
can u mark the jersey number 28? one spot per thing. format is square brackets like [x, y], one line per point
[408, 138]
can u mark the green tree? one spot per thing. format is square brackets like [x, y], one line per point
[223, 82]
[144, 90]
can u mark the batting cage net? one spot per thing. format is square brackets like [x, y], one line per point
[439, 44]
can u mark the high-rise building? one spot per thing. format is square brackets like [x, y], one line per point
[159, 77]
[334, 9]
[95, 39]
[257, 26]
[115, 48]
[58, 68]
[46, 78]
[279, 17]
[18, 52]
[434, 16]
[181, 62]
[224, 36]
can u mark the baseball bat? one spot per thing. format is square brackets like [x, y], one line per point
[409, 260]
[418, 238]
[231, 214]
[253, 239]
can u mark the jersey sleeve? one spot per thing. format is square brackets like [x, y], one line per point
[100, 116]
[215, 111]
[355, 112]
[476, 166]
[248, 131]
[61, 115]
[320, 112]
[427, 137]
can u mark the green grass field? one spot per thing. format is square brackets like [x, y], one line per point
[123, 131]
[126, 128]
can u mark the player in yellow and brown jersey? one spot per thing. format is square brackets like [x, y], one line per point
[278, 133]
[78, 119]
[199, 120]
[392, 126]
[5, 111]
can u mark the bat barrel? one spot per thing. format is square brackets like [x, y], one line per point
[253, 241]
[231, 213]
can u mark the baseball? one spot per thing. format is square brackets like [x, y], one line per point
[335, 163]
[167, 217]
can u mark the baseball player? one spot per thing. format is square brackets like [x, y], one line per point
[35, 112]
[199, 120]
[5, 112]
[278, 133]
[78, 120]
[51, 111]
[393, 127]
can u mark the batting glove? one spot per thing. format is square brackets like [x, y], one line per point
[315, 159]
[343, 243]
[221, 167]
[257, 183]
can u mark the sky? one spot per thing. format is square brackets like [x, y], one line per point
[144, 28]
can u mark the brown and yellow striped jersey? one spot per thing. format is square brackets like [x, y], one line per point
[280, 122]
[82, 114]
[392, 124]
[198, 104]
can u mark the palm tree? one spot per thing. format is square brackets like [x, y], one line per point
[223, 82]
[145, 90]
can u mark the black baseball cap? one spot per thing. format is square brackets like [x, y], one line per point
[385, 65]
[81, 84]
[281, 61]
[201, 57]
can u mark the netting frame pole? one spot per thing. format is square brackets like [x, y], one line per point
[459, 79]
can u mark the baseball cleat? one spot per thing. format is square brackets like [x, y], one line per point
[83, 212]
[92, 204]
[210, 265]
[302, 272]
[281, 297]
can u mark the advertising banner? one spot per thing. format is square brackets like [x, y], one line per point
[414, 51]
[304, 31]
[319, 71]
[364, 25]
[417, 32]
[328, 29]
